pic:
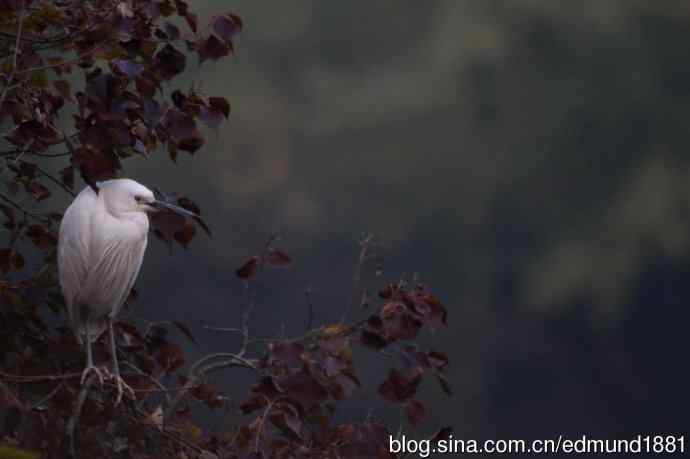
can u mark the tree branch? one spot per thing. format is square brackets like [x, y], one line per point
[56, 181]
[19, 207]
[71, 425]
[204, 366]
[364, 249]
[14, 60]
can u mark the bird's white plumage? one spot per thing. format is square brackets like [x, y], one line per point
[101, 247]
[100, 251]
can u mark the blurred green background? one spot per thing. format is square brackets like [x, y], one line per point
[527, 158]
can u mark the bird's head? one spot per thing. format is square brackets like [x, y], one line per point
[122, 196]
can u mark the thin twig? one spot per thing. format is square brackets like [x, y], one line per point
[222, 329]
[56, 181]
[204, 366]
[34, 153]
[160, 387]
[364, 248]
[310, 306]
[70, 428]
[27, 213]
[246, 315]
[76, 60]
[50, 395]
[16, 54]
[259, 431]
[9, 393]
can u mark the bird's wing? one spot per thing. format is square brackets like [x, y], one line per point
[111, 278]
[73, 246]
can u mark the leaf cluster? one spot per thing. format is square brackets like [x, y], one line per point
[84, 87]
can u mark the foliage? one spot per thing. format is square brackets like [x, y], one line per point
[83, 84]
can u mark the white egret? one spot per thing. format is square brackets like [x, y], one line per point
[101, 246]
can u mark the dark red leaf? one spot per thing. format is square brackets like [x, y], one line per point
[172, 150]
[171, 30]
[185, 331]
[375, 322]
[38, 191]
[178, 98]
[304, 388]
[166, 224]
[10, 260]
[67, 177]
[397, 387]
[444, 383]
[286, 417]
[192, 143]
[211, 117]
[388, 292]
[182, 7]
[237, 20]
[9, 213]
[94, 165]
[267, 388]
[415, 358]
[192, 20]
[249, 268]
[373, 340]
[438, 359]
[403, 327]
[225, 26]
[188, 204]
[207, 393]
[128, 67]
[212, 48]
[252, 404]
[285, 353]
[220, 104]
[64, 89]
[41, 237]
[443, 434]
[185, 234]
[26, 171]
[415, 412]
[277, 259]
[169, 62]
[170, 357]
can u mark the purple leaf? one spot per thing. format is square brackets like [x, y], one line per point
[211, 117]
[225, 27]
[130, 68]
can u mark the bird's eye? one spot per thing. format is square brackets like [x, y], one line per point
[138, 199]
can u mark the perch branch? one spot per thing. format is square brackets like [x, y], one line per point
[70, 428]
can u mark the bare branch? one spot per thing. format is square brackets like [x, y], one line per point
[246, 315]
[222, 329]
[260, 430]
[7, 390]
[56, 181]
[202, 367]
[364, 249]
[310, 318]
[70, 428]
[16, 54]
[47, 398]
[24, 211]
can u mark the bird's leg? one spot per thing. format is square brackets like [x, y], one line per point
[90, 367]
[122, 386]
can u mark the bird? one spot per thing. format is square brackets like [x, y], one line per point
[102, 239]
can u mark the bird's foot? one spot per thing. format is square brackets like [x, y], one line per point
[122, 388]
[99, 372]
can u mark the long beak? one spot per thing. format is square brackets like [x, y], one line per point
[162, 205]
